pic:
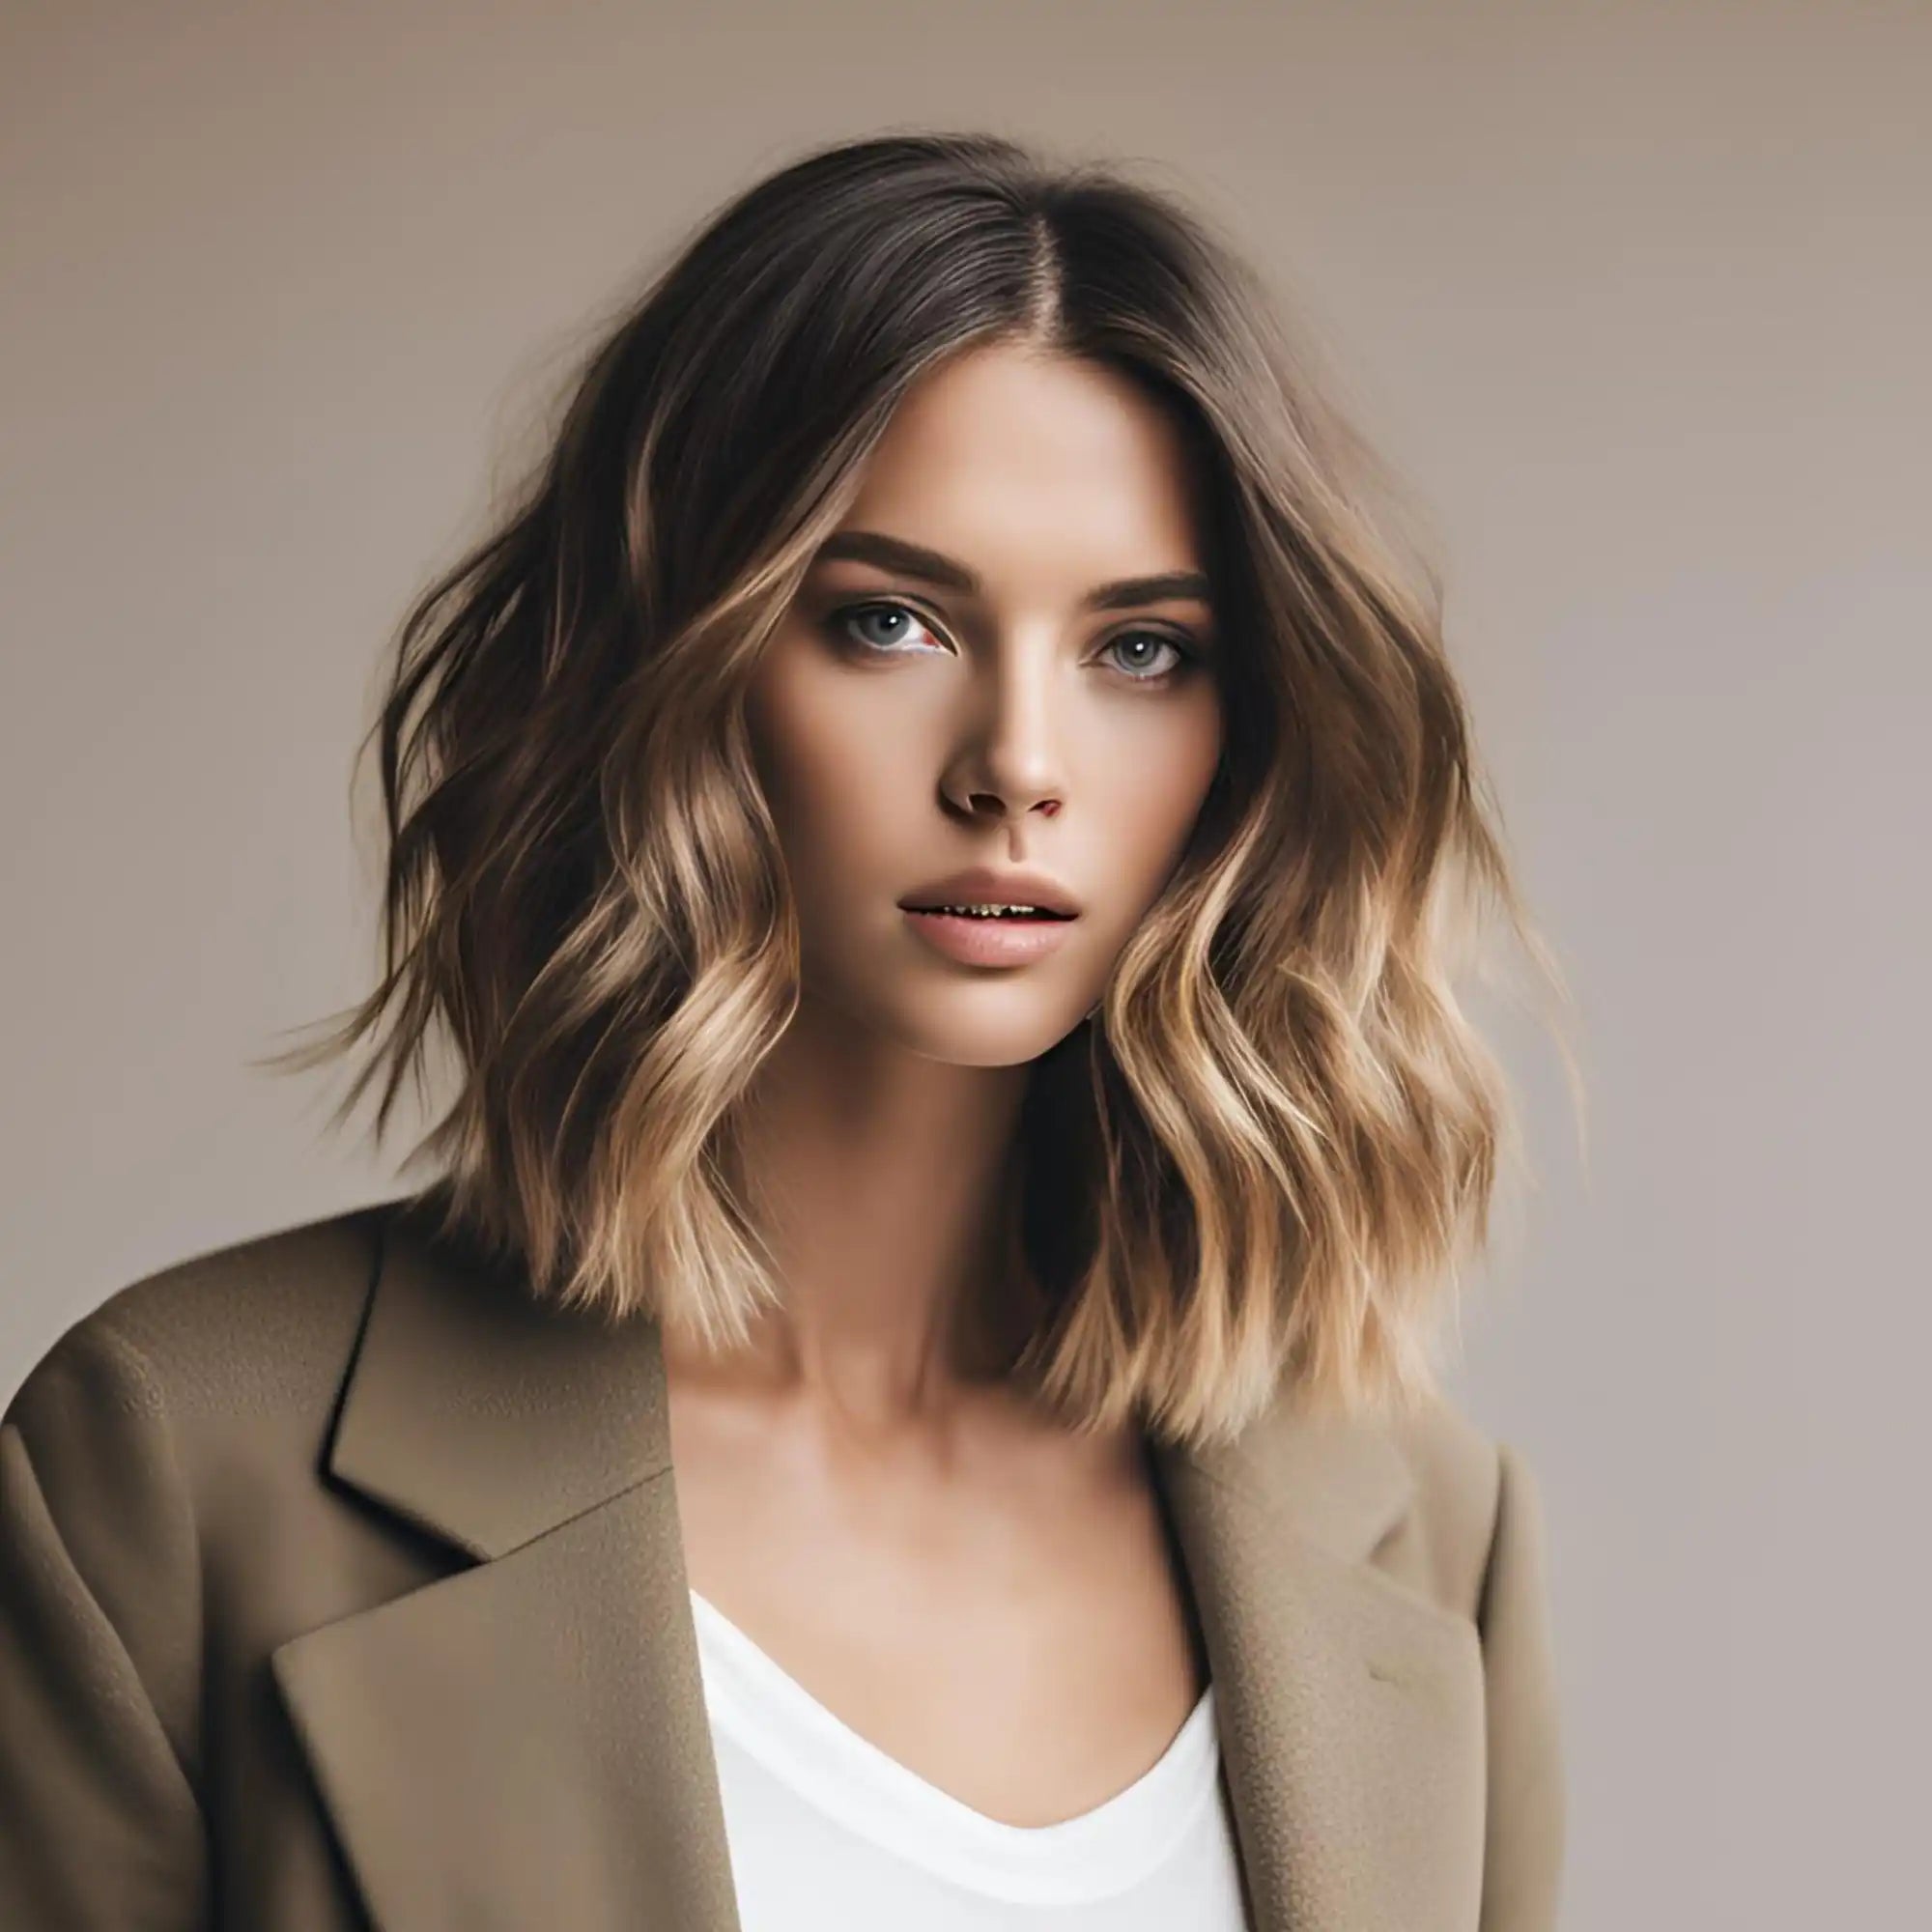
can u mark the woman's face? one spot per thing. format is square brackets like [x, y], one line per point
[968, 679]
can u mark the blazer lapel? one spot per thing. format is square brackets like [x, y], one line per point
[522, 1742]
[1351, 1709]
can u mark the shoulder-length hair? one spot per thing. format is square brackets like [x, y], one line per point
[1265, 1153]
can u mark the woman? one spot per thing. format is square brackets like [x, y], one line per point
[935, 833]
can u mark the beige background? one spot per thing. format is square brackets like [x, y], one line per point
[1636, 294]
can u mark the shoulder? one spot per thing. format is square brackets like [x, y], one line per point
[1474, 1541]
[1452, 1460]
[141, 1459]
[1466, 1484]
[1416, 1489]
[260, 1323]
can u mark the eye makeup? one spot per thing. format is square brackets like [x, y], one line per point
[1190, 653]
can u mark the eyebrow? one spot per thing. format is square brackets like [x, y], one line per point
[911, 559]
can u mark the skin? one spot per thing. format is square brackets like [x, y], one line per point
[858, 1490]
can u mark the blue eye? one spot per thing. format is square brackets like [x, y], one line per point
[853, 613]
[899, 620]
[1183, 655]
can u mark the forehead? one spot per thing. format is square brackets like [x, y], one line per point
[1006, 454]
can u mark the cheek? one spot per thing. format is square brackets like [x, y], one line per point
[1151, 796]
[835, 781]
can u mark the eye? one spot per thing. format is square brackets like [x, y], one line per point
[1185, 654]
[895, 622]
[893, 619]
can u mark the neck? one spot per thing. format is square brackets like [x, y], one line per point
[882, 1184]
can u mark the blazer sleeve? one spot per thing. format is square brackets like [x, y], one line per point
[1523, 1852]
[100, 1824]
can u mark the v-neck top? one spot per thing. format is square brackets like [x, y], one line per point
[828, 1830]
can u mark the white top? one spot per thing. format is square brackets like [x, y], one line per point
[828, 1834]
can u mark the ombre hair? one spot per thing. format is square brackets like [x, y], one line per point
[1272, 1146]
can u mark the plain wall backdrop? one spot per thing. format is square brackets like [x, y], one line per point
[1634, 294]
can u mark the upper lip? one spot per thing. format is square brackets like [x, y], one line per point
[981, 885]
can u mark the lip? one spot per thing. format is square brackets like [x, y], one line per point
[989, 941]
[982, 885]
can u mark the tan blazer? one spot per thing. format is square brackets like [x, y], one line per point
[341, 1585]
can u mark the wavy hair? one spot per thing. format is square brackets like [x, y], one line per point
[1269, 1150]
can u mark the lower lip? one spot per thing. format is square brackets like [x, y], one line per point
[989, 941]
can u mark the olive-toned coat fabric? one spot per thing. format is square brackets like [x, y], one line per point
[341, 1586]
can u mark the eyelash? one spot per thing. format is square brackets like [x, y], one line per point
[1190, 655]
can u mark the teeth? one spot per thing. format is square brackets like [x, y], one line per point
[985, 912]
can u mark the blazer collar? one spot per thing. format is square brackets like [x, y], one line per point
[523, 1742]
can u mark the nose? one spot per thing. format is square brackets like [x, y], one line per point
[1011, 757]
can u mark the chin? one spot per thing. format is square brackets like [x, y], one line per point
[984, 1041]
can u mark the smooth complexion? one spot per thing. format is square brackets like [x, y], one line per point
[962, 681]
